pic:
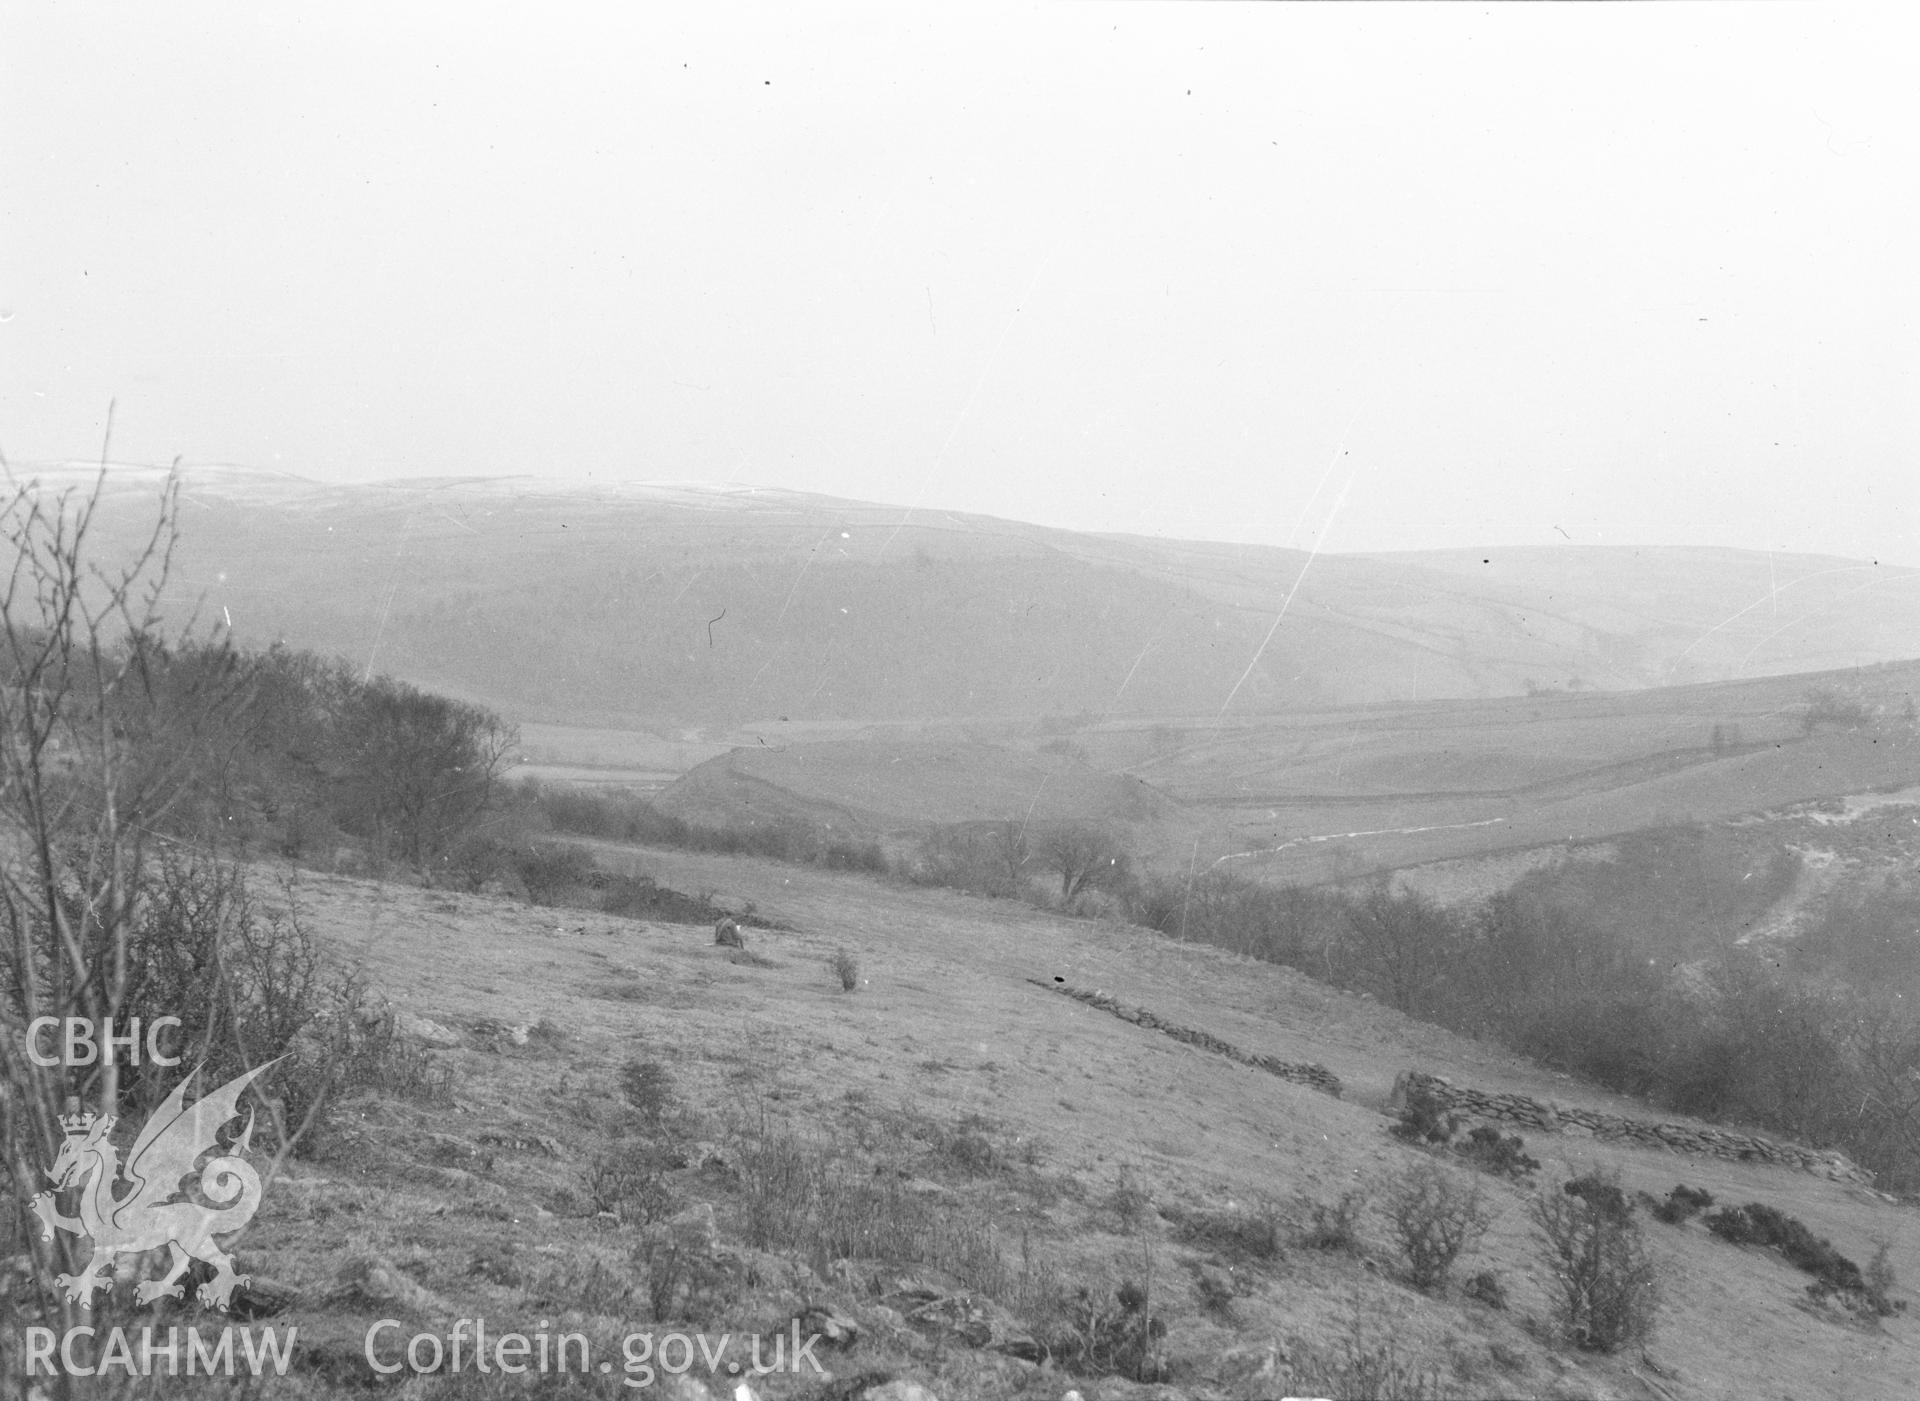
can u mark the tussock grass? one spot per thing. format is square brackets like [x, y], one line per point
[1253, 1234]
[1364, 1363]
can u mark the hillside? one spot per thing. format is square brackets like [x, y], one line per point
[656, 605]
[1071, 1140]
[1325, 794]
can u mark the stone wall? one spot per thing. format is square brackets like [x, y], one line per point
[1315, 1076]
[1682, 1138]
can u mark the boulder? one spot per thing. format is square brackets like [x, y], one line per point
[671, 1386]
[832, 1327]
[693, 1229]
[428, 1032]
[368, 1281]
[898, 1390]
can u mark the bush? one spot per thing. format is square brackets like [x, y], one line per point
[1216, 1291]
[1434, 1220]
[1681, 1204]
[1604, 1282]
[1100, 1331]
[550, 870]
[1602, 1192]
[1129, 1204]
[683, 1283]
[1770, 1228]
[824, 1203]
[847, 969]
[971, 1152]
[1503, 1155]
[854, 856]
[1486, 1287]
[250, 987]
[1334, 1225]
[416, 770]
[648, 1087]
[634, 1186]
[1880, 1283]
[1424, 1119]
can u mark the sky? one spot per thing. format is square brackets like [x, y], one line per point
[1347, 277]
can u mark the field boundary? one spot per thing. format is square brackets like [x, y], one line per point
[1681, 1138]
[1310, 1074]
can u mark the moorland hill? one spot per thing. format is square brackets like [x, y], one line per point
[647, 604]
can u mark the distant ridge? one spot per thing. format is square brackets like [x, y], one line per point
[674, 603]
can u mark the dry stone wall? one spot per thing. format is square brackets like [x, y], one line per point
[1683, 1138]
[1316, 1076]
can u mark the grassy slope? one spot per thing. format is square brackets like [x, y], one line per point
[947, 1026]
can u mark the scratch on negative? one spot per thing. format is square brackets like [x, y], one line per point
[1772, 596]
[1313, 553]
[1342, 836]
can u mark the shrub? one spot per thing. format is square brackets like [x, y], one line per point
[1486, 1287]
[1602, 1192]
[854, 856]
[1424, 1119]
[648, 1087]
[1434, 1220]
[1681, 1204]
[634, 1186]
[1129, 1204]
[847, 969]
[966, 1147]
[1880, 1283]
[824, 1203]
[1334, 1225]
[1097, 1331]
[682, 1281]
[416, 771]
[550, 869]
[249, 987]
[375, 1056]
[1217, 1291]
[1759, 1224]
[1503, 1155]
[1604, 1283]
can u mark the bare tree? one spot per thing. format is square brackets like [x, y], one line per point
[1884, 1043]
[80, 794]
[1086, 858]
[1403, 943]
[1012, 853]
[422, 768]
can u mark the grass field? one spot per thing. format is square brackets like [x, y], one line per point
[1329, 795]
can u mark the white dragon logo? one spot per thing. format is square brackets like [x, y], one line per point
[144, 1217]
